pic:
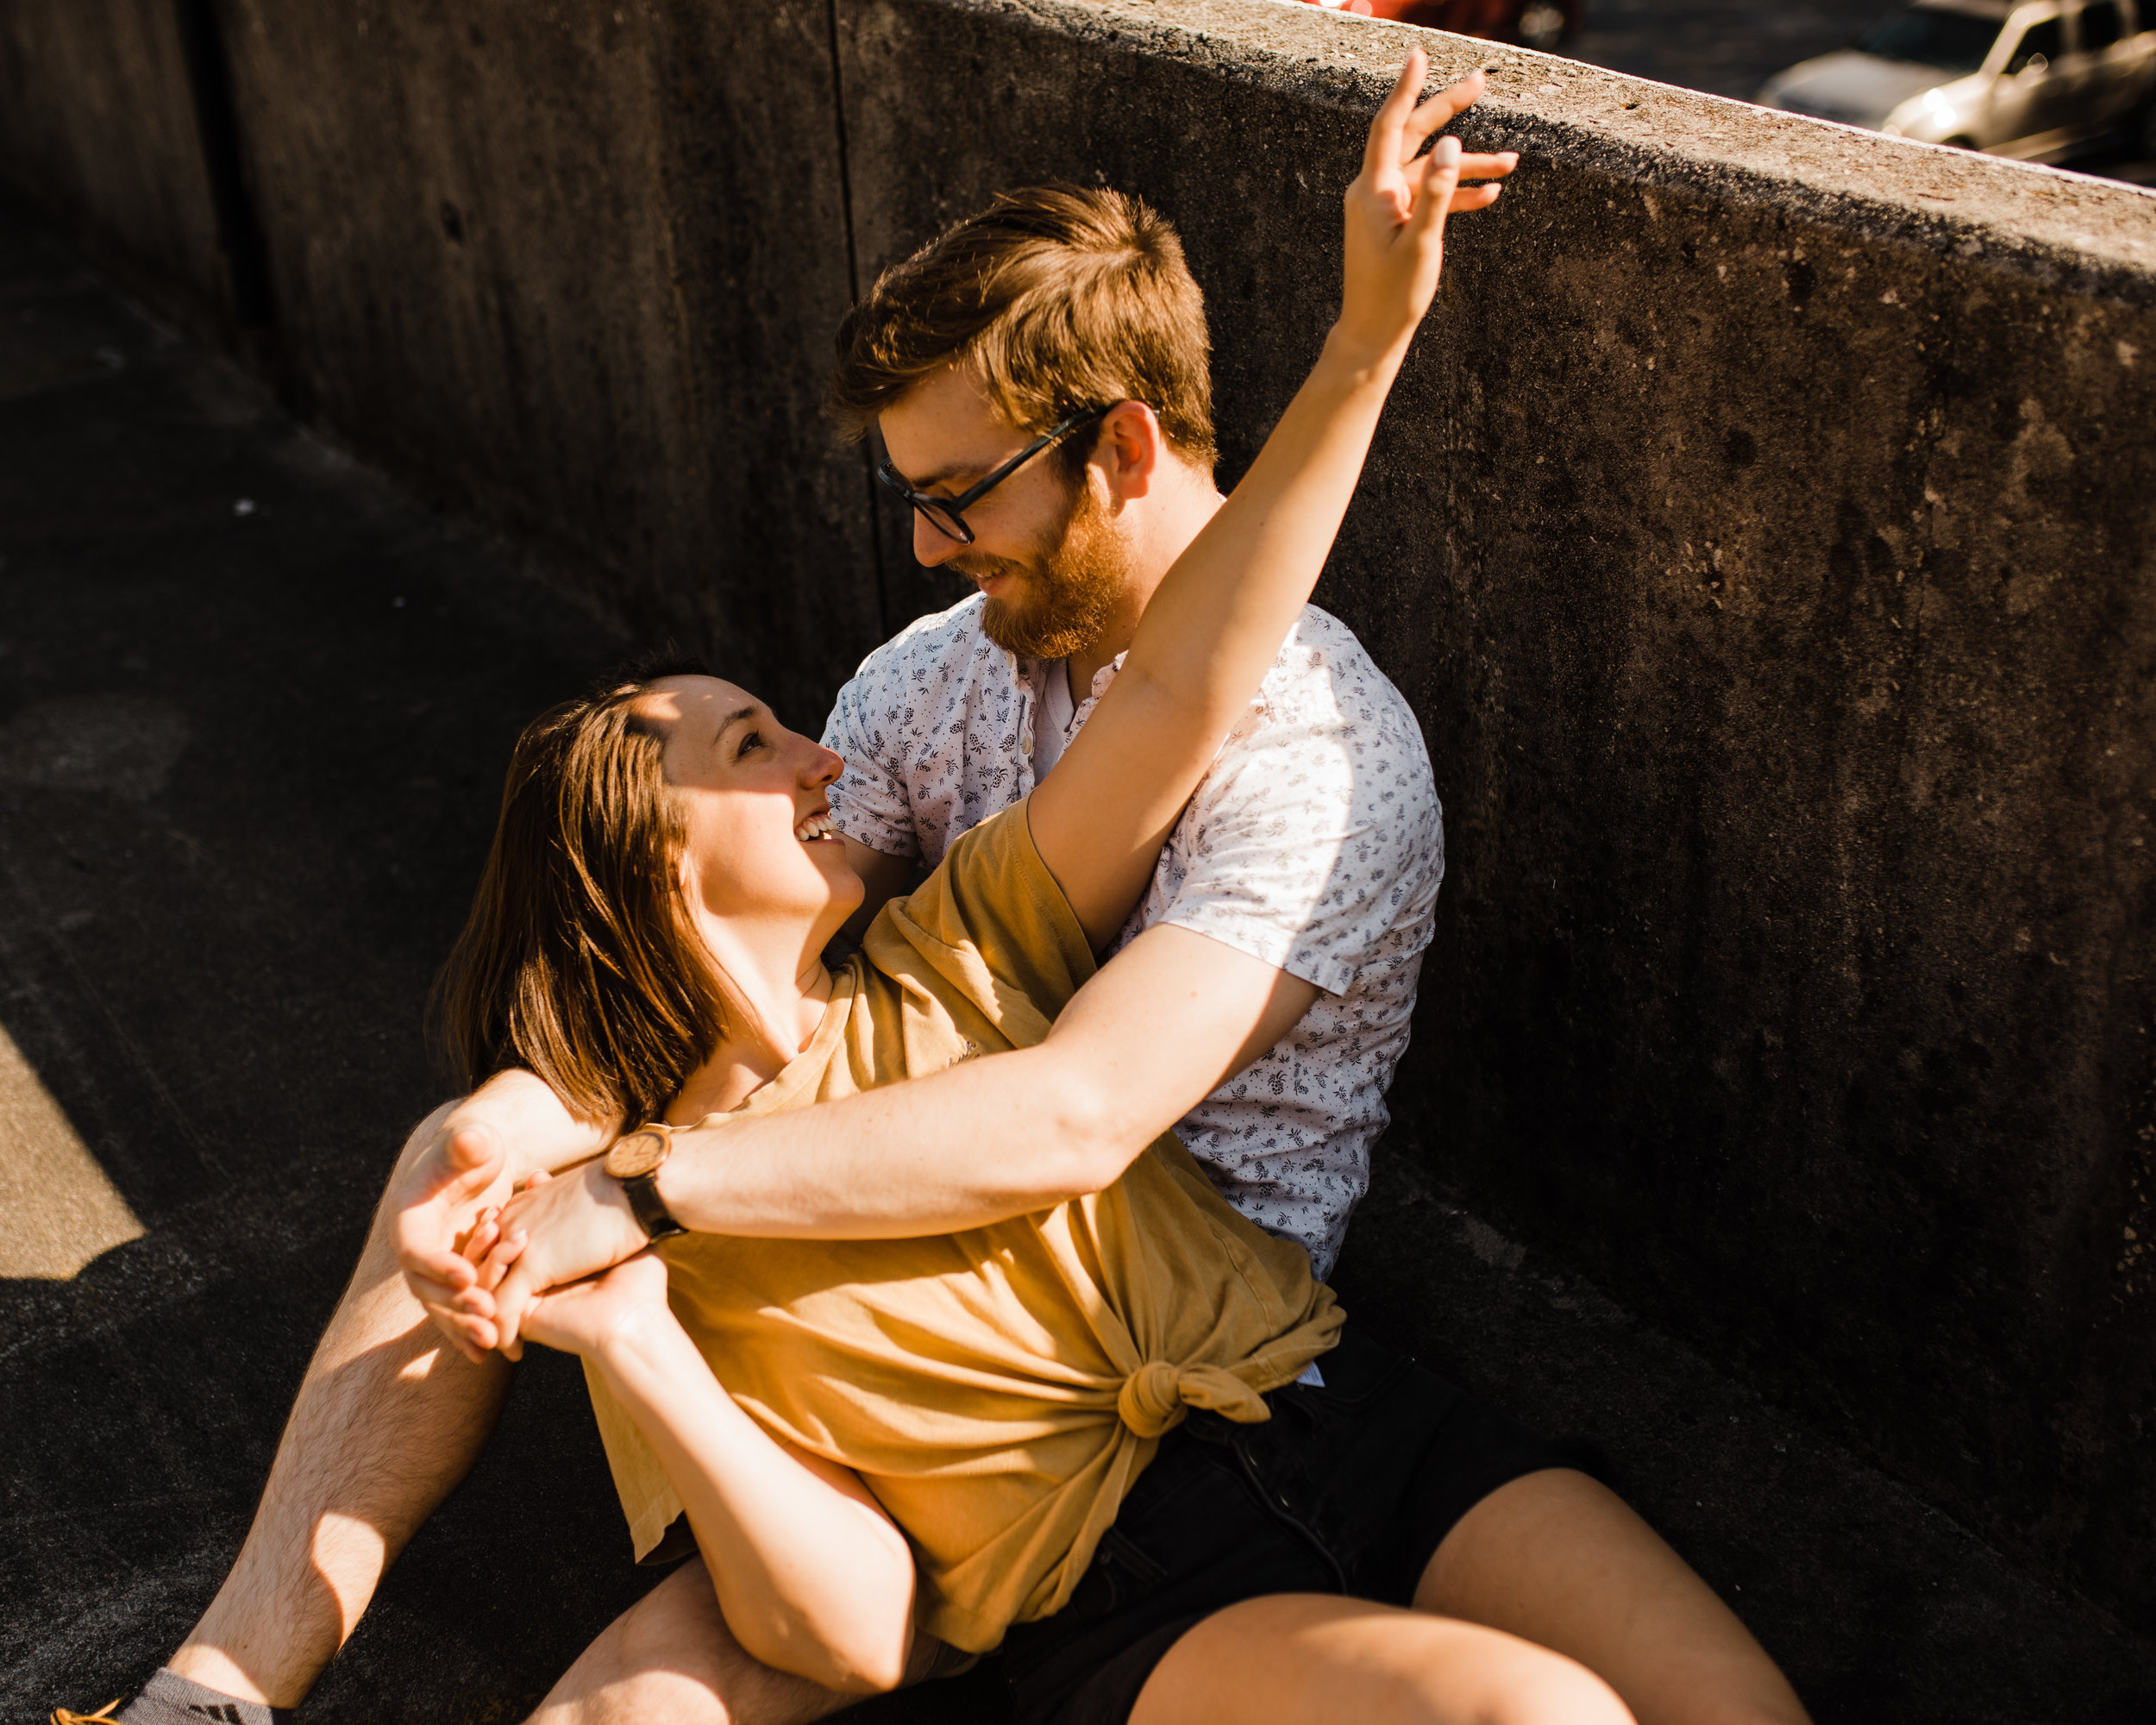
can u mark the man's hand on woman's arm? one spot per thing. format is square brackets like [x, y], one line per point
[482, 1148]
[1173, 1017]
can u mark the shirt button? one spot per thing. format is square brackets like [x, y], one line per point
[1025, 743]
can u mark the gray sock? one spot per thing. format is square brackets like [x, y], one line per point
[168, 1698]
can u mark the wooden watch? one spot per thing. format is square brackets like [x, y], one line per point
[635, 1160]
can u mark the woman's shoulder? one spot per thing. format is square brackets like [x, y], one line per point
[992, 924]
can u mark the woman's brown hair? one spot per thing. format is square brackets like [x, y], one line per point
[579, 960]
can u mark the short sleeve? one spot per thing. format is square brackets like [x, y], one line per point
[868, 800]
[992, 921]
[1317, 839]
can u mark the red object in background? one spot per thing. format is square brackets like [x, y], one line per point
[1545, 24]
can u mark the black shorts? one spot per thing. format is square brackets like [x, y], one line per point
[1346, 1490]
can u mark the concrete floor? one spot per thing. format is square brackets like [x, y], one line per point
[254, 707]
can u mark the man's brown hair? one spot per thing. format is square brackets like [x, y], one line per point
[1062, 298]
[579, 960]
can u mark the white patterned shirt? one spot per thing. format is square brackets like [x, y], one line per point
[1314, 843]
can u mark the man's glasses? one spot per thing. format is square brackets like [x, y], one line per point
[947, 515]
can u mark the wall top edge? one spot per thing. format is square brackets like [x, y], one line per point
[2071, 230]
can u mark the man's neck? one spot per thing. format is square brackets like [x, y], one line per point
[1187, 501]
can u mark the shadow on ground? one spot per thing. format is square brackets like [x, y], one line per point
[253, 708]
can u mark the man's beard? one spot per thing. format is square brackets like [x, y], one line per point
[1066, 590]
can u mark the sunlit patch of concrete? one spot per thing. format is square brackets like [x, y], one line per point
[58, 1211]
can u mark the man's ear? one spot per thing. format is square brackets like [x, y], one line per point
[1130, 449]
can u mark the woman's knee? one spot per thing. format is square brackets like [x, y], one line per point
[1555, 1691]
[1516, 1682]
[671, 1656]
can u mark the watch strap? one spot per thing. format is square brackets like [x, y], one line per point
[649, 1208]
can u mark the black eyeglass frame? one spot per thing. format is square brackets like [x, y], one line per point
[939, 511]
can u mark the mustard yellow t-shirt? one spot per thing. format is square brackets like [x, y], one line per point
[998, 1389]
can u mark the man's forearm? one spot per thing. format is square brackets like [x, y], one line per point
[1171, 1019]
[974, 1144]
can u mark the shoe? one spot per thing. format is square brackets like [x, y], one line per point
[67, 1715]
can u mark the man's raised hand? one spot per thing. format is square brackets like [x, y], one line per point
[1397, 210]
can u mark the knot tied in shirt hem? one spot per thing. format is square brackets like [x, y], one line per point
[1157, 1395]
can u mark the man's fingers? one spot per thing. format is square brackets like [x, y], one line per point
[430, 1292]
[1488, 166]
[1382, 154]
[422, 1264]
[472, 1149]
[510, 1300]
[497, 1262]
[473, 1338]
[475, 1247]
[1438, 112]
[471, 1334]
[1440, 179]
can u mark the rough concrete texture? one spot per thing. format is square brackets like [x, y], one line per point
[1761, 532]
[248, 767]
[97, 125]
[246, 763]
[576, 268]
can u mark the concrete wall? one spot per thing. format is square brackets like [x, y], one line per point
[575, 267]
[98, 127]
[1759, 530]
[1762, 531]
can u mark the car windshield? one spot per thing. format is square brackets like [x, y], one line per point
[1931, 35]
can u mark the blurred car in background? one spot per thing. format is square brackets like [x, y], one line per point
[2039, 83]
[1545, 24]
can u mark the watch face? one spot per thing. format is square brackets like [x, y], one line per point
[636, 1155]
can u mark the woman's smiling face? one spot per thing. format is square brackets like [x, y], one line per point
[760, 844]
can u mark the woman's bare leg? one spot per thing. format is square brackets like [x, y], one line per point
[1295, 1659]
[670, 1656]
[1557, 1559]
[1550, 1600]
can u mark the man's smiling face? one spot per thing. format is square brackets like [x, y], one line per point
[1045, 551]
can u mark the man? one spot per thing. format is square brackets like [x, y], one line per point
[1297, 891]
[1038, 377]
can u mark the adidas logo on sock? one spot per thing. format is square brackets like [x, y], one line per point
[230, 1714]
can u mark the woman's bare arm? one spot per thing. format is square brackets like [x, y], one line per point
[810, 1573]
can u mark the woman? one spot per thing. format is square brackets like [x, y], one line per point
[1090, 1433]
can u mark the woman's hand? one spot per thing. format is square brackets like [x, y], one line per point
[551, 1233]
[1396, 210]
[582, 1318]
